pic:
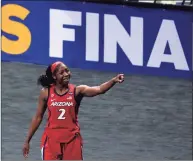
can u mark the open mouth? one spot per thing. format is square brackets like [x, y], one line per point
[66, 79]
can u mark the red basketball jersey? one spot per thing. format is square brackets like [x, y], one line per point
[62, 114]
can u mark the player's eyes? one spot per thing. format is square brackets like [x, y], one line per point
[62, 72]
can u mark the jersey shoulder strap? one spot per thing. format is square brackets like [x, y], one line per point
[72, 88]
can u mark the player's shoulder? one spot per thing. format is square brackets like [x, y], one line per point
[80, 88]
[44, 91]
[73, 87]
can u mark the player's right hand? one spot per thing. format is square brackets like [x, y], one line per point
[26, 150]
[119, 78]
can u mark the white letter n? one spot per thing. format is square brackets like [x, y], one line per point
[115, 33]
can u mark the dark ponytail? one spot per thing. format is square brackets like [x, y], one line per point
[46, 79]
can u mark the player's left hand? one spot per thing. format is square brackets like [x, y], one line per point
[119, 78]
[26, 147]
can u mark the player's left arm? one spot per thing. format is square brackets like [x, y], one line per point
[87, 91]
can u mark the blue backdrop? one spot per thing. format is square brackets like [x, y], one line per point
[16, 21]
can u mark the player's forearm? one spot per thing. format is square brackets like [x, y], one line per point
[107, 85]
[36, 121]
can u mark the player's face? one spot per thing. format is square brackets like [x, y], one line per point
[63, 74]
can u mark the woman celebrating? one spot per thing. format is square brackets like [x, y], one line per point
[61, 139]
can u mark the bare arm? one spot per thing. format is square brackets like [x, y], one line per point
[87, 91]
[37, 119]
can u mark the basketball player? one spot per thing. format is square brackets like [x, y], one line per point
[61, 139]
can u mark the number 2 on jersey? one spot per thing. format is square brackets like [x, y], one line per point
[61, 116]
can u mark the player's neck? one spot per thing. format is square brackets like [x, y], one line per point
[61, 87]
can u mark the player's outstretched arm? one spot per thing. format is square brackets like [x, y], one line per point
[87, 91]
[36, 121]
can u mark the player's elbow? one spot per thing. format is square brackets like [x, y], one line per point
[101, 91]
[38, 118]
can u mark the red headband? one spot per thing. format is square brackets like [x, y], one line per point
[54, 65]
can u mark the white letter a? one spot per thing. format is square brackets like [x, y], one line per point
[168, 33]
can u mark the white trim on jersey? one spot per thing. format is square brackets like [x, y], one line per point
[42, 153]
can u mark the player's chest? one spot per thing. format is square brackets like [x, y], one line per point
[57, 101]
